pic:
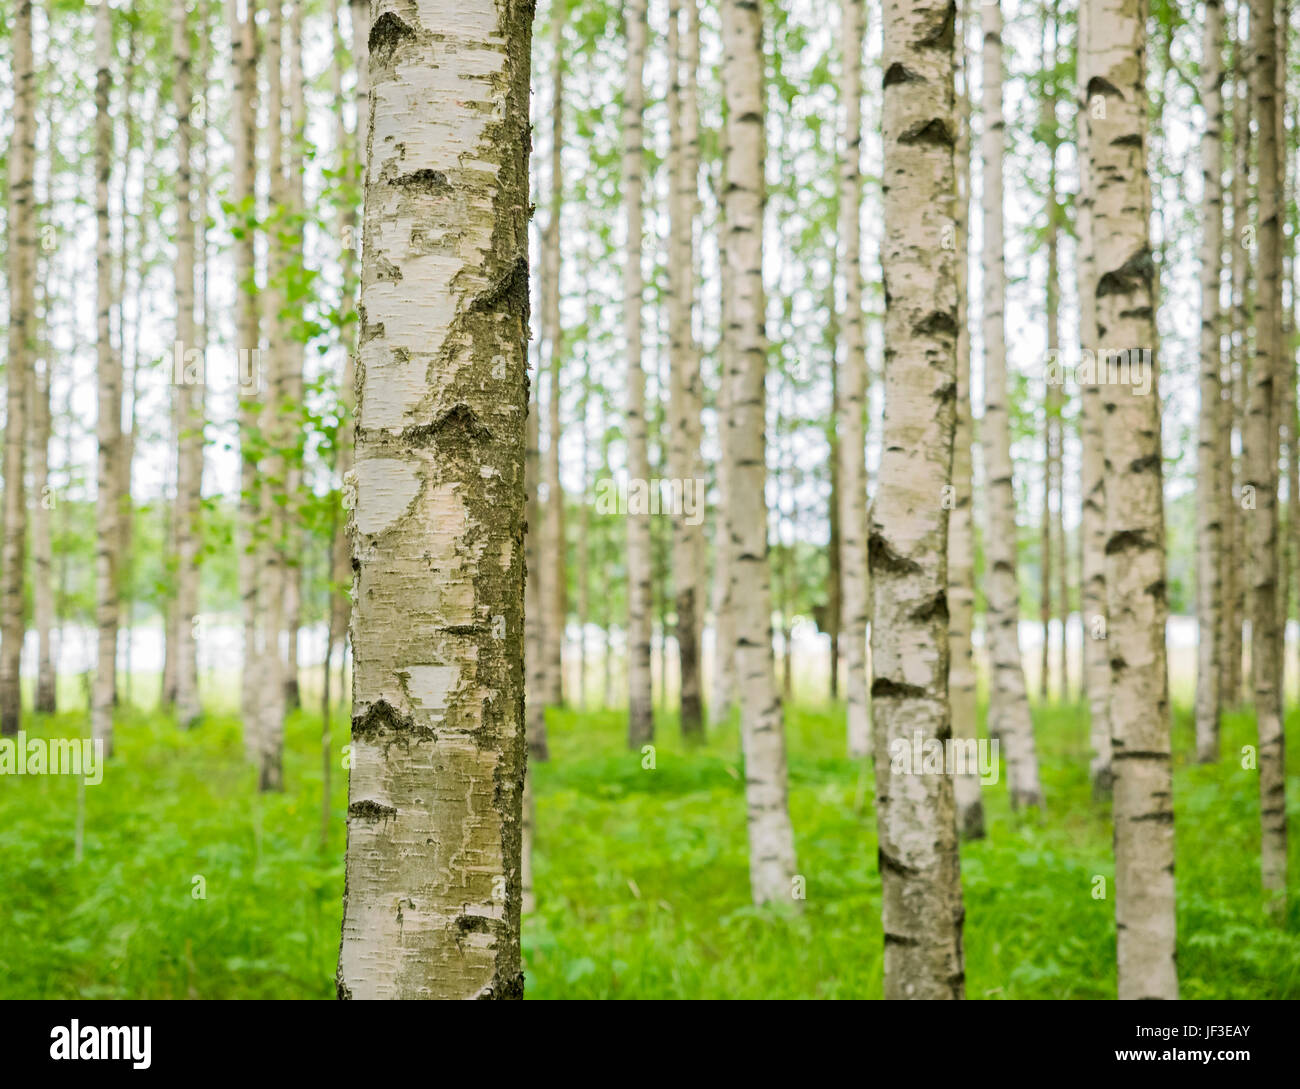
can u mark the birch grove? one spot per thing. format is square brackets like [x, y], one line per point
[789, 500]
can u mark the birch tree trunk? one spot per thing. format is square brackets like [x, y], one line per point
[109, 426]
[723, 687]
[1236, 582]
[1092, 485]
[1113, 70]
[1008, 705]
[434, 822]
[771, 838]
[19, 363]
[273, 465]
[46, 699]
[684, 359]
[1261, 462]
[853, 389]
[1209, 477]
[554, 554]
[640, 729]
[292, 537]
[921, 899]
[187, 391]
[248, 334]
[961, 534]
[340, 603]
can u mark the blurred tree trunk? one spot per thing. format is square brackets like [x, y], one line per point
[1234, 680]
[187, 390]
[1209, 497]
[433, 897]
[109, 426]
[639, 558]
[771, 839]
[1113, 69]
[1009, 718]
[684, 357]
[293, 536]
[961, 533]
[723, 686]
[19, 363]
[251, 378]
[273, 465]
[921, 898]
[1092, 484]
[853, 388]
[1262, 458]
[554, 581]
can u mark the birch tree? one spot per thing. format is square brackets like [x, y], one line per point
[189, 437]
[1008, 704]
[109, 422]
[684, 361]
[921, 899]
[248, 333]
[18, 367]
[1092, 483]
[1113, 71]
[435, 800]
[640, 695]
[1261, 460]
[961, 532]
[853, 390]
[771, 838]
[1209, 478]
[555, 554]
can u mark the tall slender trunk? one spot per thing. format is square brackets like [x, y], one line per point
[639, 560]
[1261, 461]
[853, 388]
[352, 151]
[1054, 497]
[292, 548]
[19, 364]
[684, 359]
[555, 551]
[1092, 485]
[46, 701]
[1209, 482]
[534, 623]
[1243, 302]
[109, 426]
[961, 532]
[723, 686]
[433, 882]
[771, 838]
[273, 465]
[921, 899]
[1009, 718]
[189, 437]
[1113, 70]
[243, 34]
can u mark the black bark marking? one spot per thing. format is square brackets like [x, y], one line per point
[884, 688]
[369, 810]
[882, 557]
[427, 181]
[935, 131]
[387, 33]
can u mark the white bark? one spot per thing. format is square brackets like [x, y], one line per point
[434, 822]
[771, 838]
[921, 900]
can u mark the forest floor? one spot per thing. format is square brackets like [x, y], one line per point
[641, 877]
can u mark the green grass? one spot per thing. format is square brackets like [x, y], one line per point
[641, 875]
